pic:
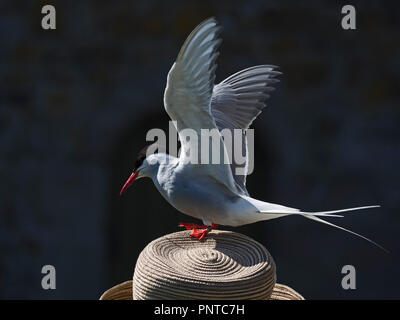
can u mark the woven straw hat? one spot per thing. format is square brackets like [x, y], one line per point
[226, 265]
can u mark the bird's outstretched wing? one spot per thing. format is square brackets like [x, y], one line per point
[236, 102]
[187, 101]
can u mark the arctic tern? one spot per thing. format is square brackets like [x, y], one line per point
[213, 193]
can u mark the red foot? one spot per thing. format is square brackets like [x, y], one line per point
[196, 233]
[199, 234]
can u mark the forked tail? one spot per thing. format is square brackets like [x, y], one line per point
[315, 216]
[344, 229]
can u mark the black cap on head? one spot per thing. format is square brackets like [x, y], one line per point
[140, 158]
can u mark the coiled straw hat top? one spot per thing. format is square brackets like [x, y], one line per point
[226, 265]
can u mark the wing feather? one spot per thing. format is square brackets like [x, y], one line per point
[236, 102]
[188, 94]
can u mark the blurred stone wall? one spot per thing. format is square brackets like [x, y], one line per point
[76, 103]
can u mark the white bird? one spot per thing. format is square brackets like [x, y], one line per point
[214, 193]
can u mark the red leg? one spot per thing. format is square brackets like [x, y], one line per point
[190, 226]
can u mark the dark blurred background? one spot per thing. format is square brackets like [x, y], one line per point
[76, 104]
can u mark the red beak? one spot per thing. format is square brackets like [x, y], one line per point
[129, 182]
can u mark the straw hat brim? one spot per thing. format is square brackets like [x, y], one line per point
[123, 291]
